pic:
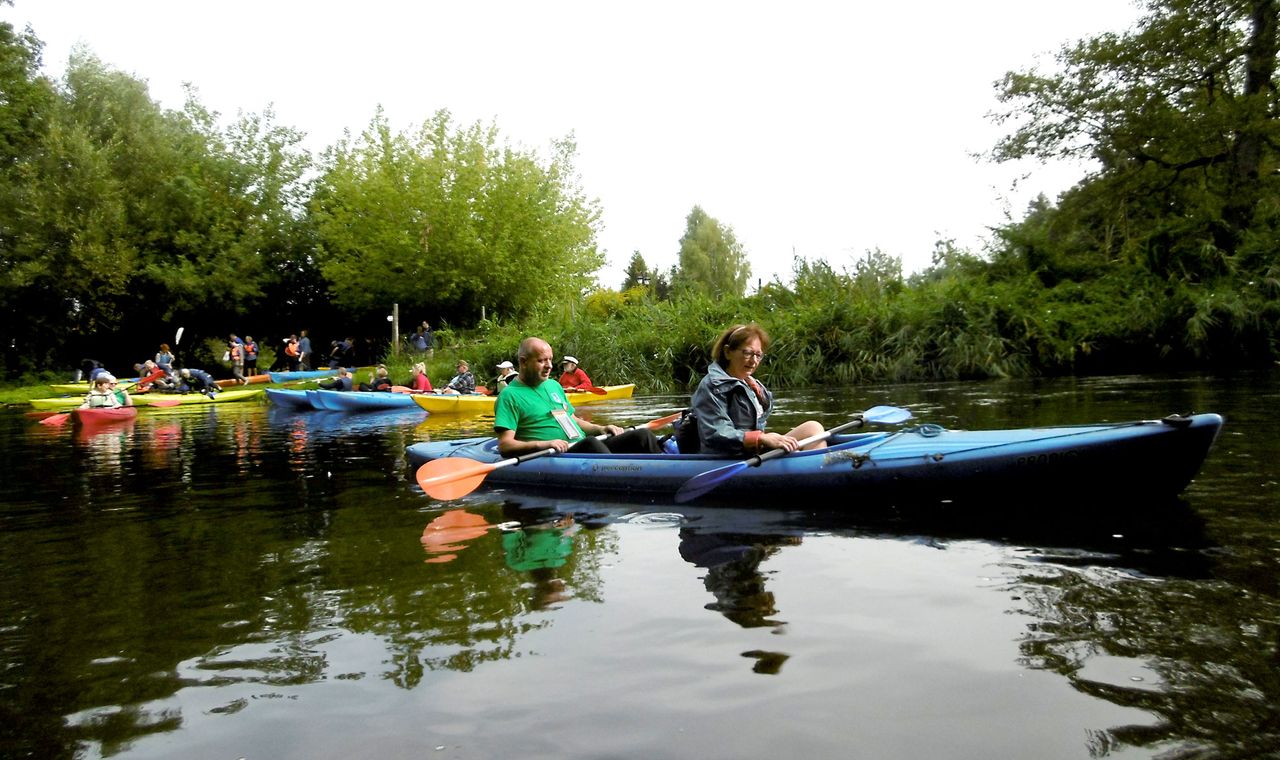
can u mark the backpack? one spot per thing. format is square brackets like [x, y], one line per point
[687, 439]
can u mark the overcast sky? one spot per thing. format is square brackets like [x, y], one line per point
[818, 129]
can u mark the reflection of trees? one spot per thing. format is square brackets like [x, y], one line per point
[1214, 648]
[224, 563]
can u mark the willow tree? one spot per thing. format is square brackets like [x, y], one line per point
[712, 261]
[1180, 117]
[447, 219]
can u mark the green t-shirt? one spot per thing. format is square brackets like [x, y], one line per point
[528, 411]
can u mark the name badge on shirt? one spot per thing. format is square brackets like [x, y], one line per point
[565, 423]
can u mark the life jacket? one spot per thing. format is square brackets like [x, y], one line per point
[251, 350]
[291, 348]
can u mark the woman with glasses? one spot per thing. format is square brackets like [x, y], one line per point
[731, 406]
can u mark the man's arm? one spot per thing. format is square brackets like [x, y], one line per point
[591, 428]
[508, 446]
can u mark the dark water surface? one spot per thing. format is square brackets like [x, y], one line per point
[236, 582]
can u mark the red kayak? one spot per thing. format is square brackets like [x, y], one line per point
[103, 415]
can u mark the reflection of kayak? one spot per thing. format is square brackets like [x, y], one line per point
[103, 415]
[311, 374]
[288, 398]
[158, 399]
[921, 464]
[460, 404]
[361, 401]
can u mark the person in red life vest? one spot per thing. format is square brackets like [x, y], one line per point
[250, 356]
[291, 352]
[572, 377]
[420, 382]
[235, 352]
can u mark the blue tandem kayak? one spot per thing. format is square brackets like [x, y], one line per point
[288, 398]
[360, 401]
[918, 464]
[288, 377]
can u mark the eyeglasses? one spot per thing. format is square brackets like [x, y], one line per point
[757, 355]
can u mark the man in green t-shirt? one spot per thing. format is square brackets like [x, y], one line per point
[533, 414]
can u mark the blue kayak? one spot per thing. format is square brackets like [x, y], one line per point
[288, 398]
[925, 463]
[288, 377]
[360, 401]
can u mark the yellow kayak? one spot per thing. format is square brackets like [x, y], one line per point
[458, 404]
[156, 399]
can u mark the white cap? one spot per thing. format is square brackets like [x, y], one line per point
[506, 365]
[573, 359]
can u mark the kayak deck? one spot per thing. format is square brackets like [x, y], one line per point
[923, 463]
[440, 403]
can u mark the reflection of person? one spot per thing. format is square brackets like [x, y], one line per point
[463, 382]
[732, 407]
[538, 551]
[571, 376]
[533, 414]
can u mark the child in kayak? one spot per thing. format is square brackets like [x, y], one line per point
[104, 394]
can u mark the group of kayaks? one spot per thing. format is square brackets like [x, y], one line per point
[433, 403]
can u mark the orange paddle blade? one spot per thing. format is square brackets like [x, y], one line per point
[452, 477]
[166, 402]
[56, 419]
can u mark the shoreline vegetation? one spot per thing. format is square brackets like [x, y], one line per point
[122, 220]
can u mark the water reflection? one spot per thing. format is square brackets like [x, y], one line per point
[239, 582]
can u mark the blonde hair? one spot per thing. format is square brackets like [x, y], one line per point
[420, 368]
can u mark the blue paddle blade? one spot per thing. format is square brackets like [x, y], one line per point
[708, 481]
[886, 415]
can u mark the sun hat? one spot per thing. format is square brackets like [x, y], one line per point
[568, 359]
[506, 365]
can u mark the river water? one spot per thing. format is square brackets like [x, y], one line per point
[242, 582]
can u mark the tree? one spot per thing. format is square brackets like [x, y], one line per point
[637, 274]
[712, 261]
[1181, 116]
[449, 218]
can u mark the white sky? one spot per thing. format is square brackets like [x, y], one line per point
[821, 128]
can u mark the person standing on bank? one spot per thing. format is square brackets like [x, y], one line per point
[732, 407]
[304, 351]
[534, 414]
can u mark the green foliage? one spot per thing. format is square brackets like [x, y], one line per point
[712, 261]
[450, 219]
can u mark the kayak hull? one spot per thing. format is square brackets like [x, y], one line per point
[921, 464]
[103, 415]
[361, 401]
[66, 403]
[288, 377]
[290, 399]
[476, 404]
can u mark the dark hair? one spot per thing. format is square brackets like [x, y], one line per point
[164, 347]
[734, 338]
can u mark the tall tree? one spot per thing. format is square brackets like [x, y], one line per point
[712, 261]
[637, 273]
[1181, 115]
[449, 218]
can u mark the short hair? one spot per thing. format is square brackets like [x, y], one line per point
[734, 338]
[164, 347]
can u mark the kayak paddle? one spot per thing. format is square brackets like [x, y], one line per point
[455, 477]
[589, 389]
[56, 419]
[711, 479]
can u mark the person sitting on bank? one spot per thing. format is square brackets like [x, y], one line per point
[534, 414]
[104, 394]
[506, 374]
[732, 407]
[420, 383]
[152, 377]
[463, 382]
[196, 381]
[379, 380]
[340, 383]
[572, 378]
